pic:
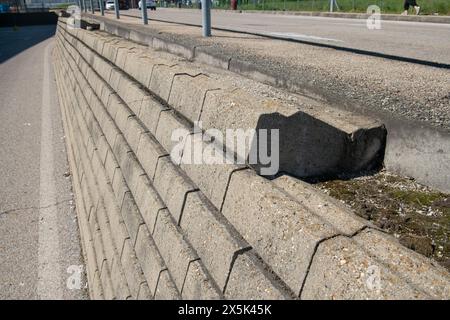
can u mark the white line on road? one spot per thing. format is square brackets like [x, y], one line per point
[301, 36]
[49, 272]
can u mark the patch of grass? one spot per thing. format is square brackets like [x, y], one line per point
[415, 198]
[387, 6]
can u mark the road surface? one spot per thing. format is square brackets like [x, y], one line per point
[39, 237]
[417, 40]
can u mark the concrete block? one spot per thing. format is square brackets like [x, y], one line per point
[148, 153]
[110, 48]
[329, 209]
[110, 131]
[119, 281]
[110, 165]
[97, 290]
[114, 104]
[174, 249]
[342, 270]
[148, 201]
[105, 278]
[212, 173]
[131, 216]
[121, 118]
[98, 247]
[144, 292]
[420, 272]
[198, 286]
[281, 230]
[118, 229]
[103, 148]
[108, 244]
[161, 80]
[131, 94]
[141, 68]
[120, 148]
[172, 186]
[313, 141]
[133, 133]
[166, 289]
[131, 170]
[211, 236]
[171, 127]
[249, 280]
[149, 113]
[188, 93]
[122, 54]
[116, 75]
[119, 186]
[149, 258]
[131, 269]
[102, 67]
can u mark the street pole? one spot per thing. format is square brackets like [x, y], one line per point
[92, 6]
[100, 4]
[144, 11]
[206, 17]
[331, 5]
[116, 9]
[84, 5]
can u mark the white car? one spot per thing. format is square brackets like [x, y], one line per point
[151, 4]
[109, 5]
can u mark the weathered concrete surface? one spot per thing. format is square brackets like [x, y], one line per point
[269, 233]
[347, 82]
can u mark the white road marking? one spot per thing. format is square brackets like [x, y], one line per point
[301, 36]
[49, 284]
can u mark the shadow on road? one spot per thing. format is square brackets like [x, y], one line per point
[14, 40]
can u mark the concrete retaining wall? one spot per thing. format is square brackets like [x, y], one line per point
[155, 228]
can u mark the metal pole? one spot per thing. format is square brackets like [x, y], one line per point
[206, 17]
[116, 8]
[331, 5]
[144, 11]
[84, 5]
[100, 4]
[92, 6]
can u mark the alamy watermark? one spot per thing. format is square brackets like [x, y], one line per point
[373, 22]
[258, 147]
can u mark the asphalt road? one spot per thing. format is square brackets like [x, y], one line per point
[39, 238]
[417, 40]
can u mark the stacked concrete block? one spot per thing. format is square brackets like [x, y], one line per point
[157, 226]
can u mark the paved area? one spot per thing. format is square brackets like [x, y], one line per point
[39, 239]
[418, 40]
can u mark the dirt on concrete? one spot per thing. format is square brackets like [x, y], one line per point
[415, 214]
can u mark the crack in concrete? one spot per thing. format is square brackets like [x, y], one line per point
[33, 207]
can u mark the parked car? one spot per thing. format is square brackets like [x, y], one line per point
[109, 5]
[122, 5]
[151, 4]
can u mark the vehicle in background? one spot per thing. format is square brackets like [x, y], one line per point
[109, 5]
[151, 4]
[123, 5]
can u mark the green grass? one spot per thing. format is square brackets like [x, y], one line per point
[441, 7]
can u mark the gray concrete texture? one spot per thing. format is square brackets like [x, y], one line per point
[168, 222]
[417, 144]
